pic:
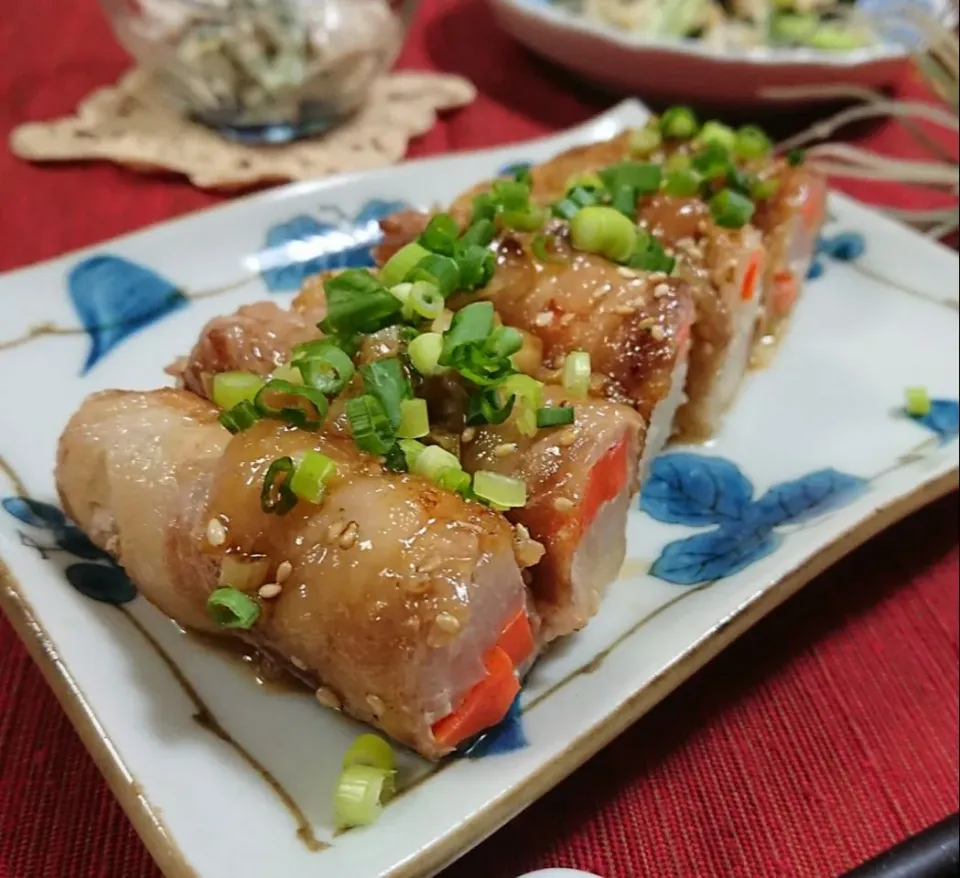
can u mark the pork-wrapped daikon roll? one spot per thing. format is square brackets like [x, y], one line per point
[397, 601]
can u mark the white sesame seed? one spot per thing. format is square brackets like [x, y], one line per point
[567, 437]
[216, 532]
[335, 530]
[418, 583]
[375, 703]
[657, 277]
[661, 290]
[646, 323]
[447, 622]
[297, 663]
[269, 590]
[504, 449]
[431, 564]
[349, 537]
[657, 333]
[625, 310]
[468, 435]
[623, 271]
[544, 318]
[328, 698]
[563, 504]
[284, 569]
[567, 319]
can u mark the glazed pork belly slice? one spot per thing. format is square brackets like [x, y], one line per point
[399, 601]
[581, 480]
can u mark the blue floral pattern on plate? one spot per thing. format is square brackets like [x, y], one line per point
[699, 491]
[505, 737]
[843, 247]
[942, 419]
[96, 575]
[305, 245]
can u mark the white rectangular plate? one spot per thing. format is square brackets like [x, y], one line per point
[816, 457]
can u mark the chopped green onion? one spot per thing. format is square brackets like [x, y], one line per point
[682, 182]
[649, 255]
[287, 372]
[918, 402]
[470, 325]
[323, 366]
[679, 161]
[576, 373]
[358, 302]
[243, 415]
[760, 190]
[511, 195]
[555, 416]
[796, 157]
[718, 133]
[385, 380]
[678, 123]
[543, 247]
[565, 209]
[433, 461]
[454, 480]
[276, 496]
[361, 791]
[603, 230]
[313, 474]
[484, 207]
[751, 143]
[401, 263]
[643, 178]
[424, 352]
[645, 141]
[712, 162]
[503, 492]
[371, 427]
[243, 574]
[488, 406]
[231, 608]
[482, 366]
[583, 196]
[584, 180]
[402, 294]
[306, 408]
[370, 750]
[231, 388]
[411, 450]
[440, 235]
[625, 201]
[730, 209]
[526, 388]
[504, 341]
[530, 218]
[441, 271]
[414, 420]
[477, 265]
[521, 173]
[425, 300]
[480, 233]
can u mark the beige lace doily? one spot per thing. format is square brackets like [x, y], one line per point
[132, 124]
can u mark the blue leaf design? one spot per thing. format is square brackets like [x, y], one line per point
[815, 269]
[845, 246]
[943, 418]
[805, 498]
[101, 582]
[512, 169]
[73, 540]
[720, 552]
[304, 246]
[695, 490]
[505, 737]
[35, 513]
[115, 298]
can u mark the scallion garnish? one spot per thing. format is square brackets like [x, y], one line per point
[361, 791]
[718, 133]
[372, 429]
[685, 181]
[470, 325]
[731, 209]
[231, 388]
[414, 419]
[529, 218]
[385, 380]
[644, 141]
[401, 263]
[411, 450]
[642, 178]
[480, 233]
[522, 174]
[544, 248]
[231, 608]
[370, 750]
[917, 402]
[678, 123]
[503, 342]
[323, 366]
[454, 480]
[751, 142]
[441, 271]
[425, 301]
[276, 495]
[624, 199]
[649, 255]
[796, 157]
[555, 416]
[484, 207]
[488, 406]
[576, 373]
[565, 209]
[605, 231]
[526, 388]
[424, 353]
[434, 461]
[764, 189]
[510, 195]
[440, 235]
[502, 492]
[357, 302]
[301, 406]
[237, 419]
[583, 196]
[312, 476]
[477, 265]
[712, 162]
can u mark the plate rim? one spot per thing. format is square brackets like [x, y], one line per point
[761, 56]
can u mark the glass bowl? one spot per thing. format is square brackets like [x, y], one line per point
[262, 71]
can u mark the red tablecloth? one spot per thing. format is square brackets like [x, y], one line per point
[823, 736]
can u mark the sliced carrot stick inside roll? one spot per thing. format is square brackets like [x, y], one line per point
[485, 705]
[606, 481]
[751, 275]
[784, 293]
[517, 639]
